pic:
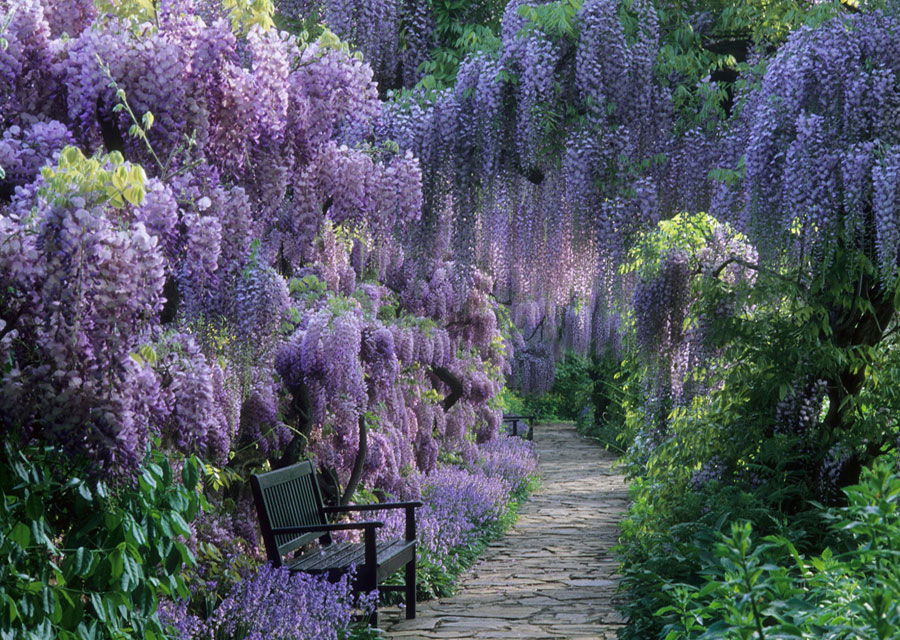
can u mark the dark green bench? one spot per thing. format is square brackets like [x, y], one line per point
[513, 420]
[291, 516]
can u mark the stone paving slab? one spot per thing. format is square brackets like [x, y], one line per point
[553, 576]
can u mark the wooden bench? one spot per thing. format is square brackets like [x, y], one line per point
[514, 419]
[291, 516]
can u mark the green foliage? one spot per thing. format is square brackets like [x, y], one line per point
[556, 19]
[687, 232]
[443, 61]
[567, 399]
[105, 178]
[243, 14]
[768, 589]
[309, 288]
[772, 22]
[462, 27]
[81, 559]
[571, 391]
[772, 338]
[666, 546]
[306, 27]
[688, 59]
[130, 12]
[784, 333]
[510, 401]
[604, 418]
[246, 14]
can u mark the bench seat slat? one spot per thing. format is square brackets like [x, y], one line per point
[344, 554]
[395, 557]
[335, 556]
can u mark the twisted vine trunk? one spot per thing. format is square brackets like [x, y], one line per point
[860, 326]
[328, 479]
[356, 474]
[299, 418]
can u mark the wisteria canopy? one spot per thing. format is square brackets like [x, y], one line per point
[230, 231]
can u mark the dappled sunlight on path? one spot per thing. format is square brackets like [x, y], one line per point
[553, 575]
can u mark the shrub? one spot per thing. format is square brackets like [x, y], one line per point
[768, 589]
[81, 559]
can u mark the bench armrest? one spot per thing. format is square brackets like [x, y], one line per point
[339, 526]
[373, 507]
[410, 533]
[511, 417]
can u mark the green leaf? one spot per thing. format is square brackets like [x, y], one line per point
[190, 473]
[173, 560]
[55, 606]
[21, 535]
[34, 586]
[134, 194]
[87, 632]
[13, 609]
[116, 564]
[665, 609]
[131, 573]
[181, 527]
[78, 563]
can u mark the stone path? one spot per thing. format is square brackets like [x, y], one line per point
[553, 575]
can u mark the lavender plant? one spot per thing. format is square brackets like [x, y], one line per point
[273, 603]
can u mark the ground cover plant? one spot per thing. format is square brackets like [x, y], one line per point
[233, 235]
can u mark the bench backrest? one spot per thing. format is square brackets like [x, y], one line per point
[288, 497]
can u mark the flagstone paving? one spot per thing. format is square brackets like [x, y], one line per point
[553, 575]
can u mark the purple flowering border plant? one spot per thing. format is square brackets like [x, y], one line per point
[466, 507]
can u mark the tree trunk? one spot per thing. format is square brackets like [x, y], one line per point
[299, 418]
[356, 474]
[456, 388]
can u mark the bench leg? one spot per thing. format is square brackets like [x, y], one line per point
[368, 577]
[411, 589]
[369, 584]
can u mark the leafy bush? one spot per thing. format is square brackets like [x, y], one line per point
[604, 418]
[81, 559]
[669, 541]
[768, 589]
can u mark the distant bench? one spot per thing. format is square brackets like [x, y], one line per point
[514, 419]
[291, 515]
